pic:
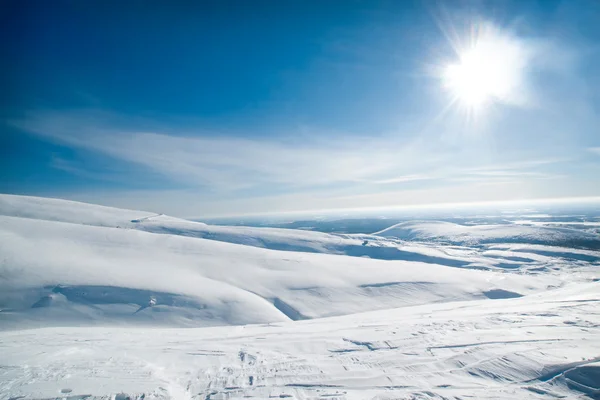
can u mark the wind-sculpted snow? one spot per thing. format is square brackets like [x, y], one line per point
[74, 272]
[540, 346]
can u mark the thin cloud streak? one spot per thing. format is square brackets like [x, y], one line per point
[231, 175]
[190, 204]
[230, 164]
[233, 163]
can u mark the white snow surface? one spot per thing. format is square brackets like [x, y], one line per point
[535, 347]
[478, 234]
[108, 303]
[59, 273]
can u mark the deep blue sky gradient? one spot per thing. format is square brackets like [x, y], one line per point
[320, 72]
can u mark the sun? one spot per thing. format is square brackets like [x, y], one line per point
[478, 77]
[488, 70]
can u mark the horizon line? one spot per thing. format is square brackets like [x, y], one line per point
[544, 200]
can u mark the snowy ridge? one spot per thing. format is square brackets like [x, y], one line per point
[66, 211]
[381, 245]
[441, 231]
[204, 282]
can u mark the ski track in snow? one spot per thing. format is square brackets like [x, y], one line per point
[93, 301]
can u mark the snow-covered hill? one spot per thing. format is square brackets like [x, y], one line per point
[66, 211]
[441, 231]
[419, 241]
[65, 273]
[387, 315]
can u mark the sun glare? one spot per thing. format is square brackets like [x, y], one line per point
[488, 70]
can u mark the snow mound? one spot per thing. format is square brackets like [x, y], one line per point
[59, 273]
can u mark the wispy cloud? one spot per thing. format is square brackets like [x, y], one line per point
[216, 174]
[191, 204]
[231, 163]
[402, 179]
[106, 172]
[519, 165]
[74, 169]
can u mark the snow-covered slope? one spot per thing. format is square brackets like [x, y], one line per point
[536, 347]
[67, 211]
[63, 273]
[421, 241]
[395, 320]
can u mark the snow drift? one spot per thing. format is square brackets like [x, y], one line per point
[62, 264]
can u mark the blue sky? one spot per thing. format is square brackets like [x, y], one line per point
[232, 107]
